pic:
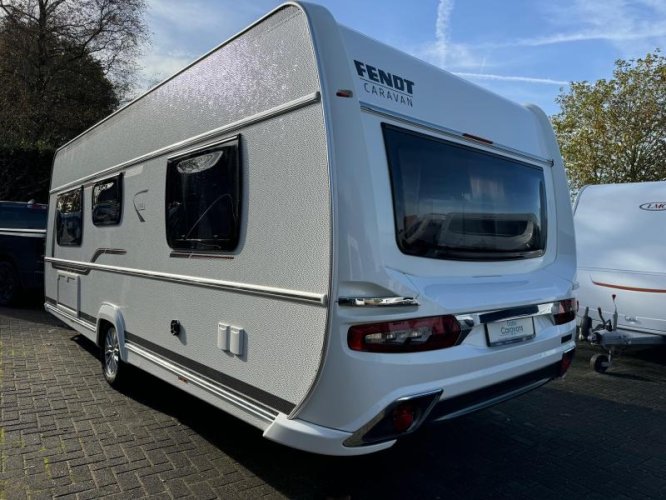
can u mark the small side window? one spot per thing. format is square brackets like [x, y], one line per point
[107, 201]
[69, 218]
[203, 199]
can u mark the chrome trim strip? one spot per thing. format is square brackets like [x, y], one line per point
[451, 133]
[214, 389]
[377, 301]
[295, 295]
[57, 311]
[192, 141]
[108, 251]
[20, 230]
[493, 401]
[24, 233]
[470, 320]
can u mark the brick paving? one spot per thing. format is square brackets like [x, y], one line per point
[65, 433]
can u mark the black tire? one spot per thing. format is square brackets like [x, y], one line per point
[600, 363]
[9, 284]
[113, 367]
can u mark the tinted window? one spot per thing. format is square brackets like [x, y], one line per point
[203, 199]
[456, 202]
[107, 202]
[69, 218]
[23, 217]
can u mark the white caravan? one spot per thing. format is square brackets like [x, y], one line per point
[321, 235]
[620, 239]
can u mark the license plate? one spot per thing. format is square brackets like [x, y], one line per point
[511, 330]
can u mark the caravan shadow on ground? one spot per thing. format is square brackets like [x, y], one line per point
[552, 442]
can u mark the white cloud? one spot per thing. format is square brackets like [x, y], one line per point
[182, 31]
[472, 60]
[509, 78]
[190, 13]
[632, 26]
[159, 65]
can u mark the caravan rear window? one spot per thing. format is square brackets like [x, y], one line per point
[203, 199]
[456, 202]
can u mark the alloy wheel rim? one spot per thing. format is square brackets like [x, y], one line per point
[111, 353]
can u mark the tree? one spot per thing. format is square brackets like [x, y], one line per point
[38, 113]
[614, 130]
[64, 64]
[110, 31]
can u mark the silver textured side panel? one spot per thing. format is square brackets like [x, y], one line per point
[257, 71]
[285, 242]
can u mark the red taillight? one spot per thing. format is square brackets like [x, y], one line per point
[403, 417]
[564, 311]
[423, 334]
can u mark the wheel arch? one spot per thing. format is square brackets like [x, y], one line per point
[111, 315]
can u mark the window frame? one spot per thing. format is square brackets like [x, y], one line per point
[491, 257]
[81, 217]
[236, 191]
[119, 183]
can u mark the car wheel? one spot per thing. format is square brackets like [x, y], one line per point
[9, 284]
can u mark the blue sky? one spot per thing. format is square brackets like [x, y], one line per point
[526, 50]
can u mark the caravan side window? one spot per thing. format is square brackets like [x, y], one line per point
[69, 218]
[107, 201]
[203, 199]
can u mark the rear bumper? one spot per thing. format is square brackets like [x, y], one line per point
[314, 438]
[463, 404]
[355, 386]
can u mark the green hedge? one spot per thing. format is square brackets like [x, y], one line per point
[25, 174]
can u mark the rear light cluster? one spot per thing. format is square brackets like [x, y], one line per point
[423, 334]
[564, 311]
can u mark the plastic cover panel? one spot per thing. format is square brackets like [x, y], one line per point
[269, 65]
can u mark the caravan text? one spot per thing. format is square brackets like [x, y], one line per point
[384, 84]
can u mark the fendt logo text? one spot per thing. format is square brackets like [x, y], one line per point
[654, 206]
[386, 85]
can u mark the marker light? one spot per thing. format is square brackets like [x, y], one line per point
[564, 311]
[477, 138]
[423, 334]
[344, 93]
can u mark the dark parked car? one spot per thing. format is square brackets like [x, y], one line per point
[22, 238]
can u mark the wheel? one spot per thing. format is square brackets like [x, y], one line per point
[600, 363]
[9, 284]
[112, 365]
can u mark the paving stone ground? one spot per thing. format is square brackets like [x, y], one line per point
[65, 433]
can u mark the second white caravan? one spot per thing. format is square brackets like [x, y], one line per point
[620, 239]
[326, 237]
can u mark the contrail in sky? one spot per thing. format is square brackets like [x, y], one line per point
[442, 28]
